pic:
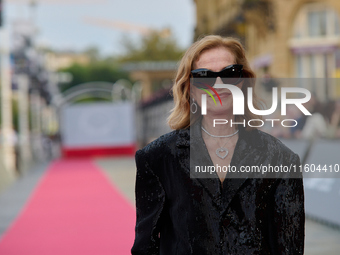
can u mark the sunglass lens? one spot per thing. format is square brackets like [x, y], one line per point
[203, 83]
[232, 77]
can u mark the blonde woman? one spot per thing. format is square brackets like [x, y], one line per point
[182, 213]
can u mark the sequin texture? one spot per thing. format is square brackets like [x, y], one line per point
[177, 214]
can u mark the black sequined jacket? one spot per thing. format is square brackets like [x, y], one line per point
[177, 214]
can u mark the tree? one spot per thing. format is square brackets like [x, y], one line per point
[93, 53]
[156, 46]
[94, 71]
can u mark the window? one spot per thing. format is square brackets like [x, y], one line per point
[315, 46]
[315, 21]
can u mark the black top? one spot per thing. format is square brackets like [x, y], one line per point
[177, 214]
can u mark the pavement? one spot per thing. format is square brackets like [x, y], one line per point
[13, 198]
[319, 238]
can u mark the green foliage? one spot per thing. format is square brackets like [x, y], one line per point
[94, 71]
[93, 53]
[156, 46]
[15, 114]
[90, 100]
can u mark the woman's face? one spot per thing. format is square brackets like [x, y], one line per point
[215, 60]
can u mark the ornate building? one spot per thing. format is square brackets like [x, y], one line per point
[283, 38]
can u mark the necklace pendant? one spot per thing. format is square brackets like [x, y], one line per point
[222, 152]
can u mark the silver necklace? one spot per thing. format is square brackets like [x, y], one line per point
[221, 152]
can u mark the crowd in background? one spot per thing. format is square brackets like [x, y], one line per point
[323, 123]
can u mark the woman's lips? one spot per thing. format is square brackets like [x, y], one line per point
[223, 95]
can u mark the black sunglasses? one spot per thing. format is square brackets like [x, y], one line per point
[230, 75]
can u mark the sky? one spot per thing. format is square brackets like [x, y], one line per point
[61, 24]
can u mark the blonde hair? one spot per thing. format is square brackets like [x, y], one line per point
[180, 114]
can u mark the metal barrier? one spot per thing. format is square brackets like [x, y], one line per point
[322, 189]
[152, 118]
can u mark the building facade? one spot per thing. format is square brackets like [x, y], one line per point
[283, 38]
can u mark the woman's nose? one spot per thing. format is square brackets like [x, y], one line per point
[218, 81]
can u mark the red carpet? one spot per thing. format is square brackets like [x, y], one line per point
[74, 210]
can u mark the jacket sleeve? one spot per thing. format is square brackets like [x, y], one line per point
[150, 199]
[288, 221]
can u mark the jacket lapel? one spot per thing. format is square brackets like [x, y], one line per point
[247, 148]
[192, 142]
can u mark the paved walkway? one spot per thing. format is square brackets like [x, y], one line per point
[320, 239]
[14, 198]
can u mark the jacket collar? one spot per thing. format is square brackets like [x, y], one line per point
[191, 138]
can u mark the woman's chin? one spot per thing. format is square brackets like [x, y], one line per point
[223, 112]
[224, 109]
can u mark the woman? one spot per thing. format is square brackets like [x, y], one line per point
[184, 211]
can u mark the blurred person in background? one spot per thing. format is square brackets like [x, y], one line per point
[178, 214]
[333, 117]
[280, 131]
[297, 115]
[311, 126]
